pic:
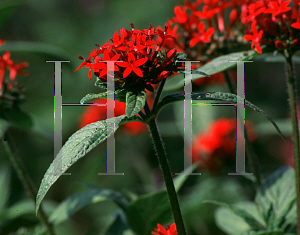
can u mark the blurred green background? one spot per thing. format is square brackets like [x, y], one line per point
[66, 29]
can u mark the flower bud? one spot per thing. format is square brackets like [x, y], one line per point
[171, 53]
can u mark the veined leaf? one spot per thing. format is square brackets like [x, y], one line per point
[276, 199]
[217, 65]
[250, 219]
[135, 102]
[233, 98]
[234, 224]
[120, 95]
[76, 147]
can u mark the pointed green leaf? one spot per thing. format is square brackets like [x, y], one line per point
[80, 200]
[120, 95]
[229, 97]
[76, 147]
[147, 211]
[217, 65]
[276, 198]
[249, 218]
[135, 102]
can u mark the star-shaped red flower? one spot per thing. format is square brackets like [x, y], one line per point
[255, 38]
[276, 9]
[132, 65]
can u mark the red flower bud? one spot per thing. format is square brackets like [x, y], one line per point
[279, 44]
[171, 53]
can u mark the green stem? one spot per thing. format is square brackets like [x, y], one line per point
[164, 165]
[158, 93]
[295, 131]
[147, 109]
[249, 147]
[25, 179]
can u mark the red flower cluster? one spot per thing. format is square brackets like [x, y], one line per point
[201, 22]
[97, 113]
[273, 23]
[141, 61]
[14, 69]
[217, 145]
[170, 230]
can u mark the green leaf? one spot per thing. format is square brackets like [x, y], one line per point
[276, 199]
[235, 224]
[168, 99]
[120, 95]
[24, 208]
[144, 213]
[4, 125]
[217, 65]
[249, 218]
[7, 9]
[76, 147]
[80, 200]
[17, 118]
[4, 186]
[119, 225]
[43, 49]
[135, 102]
[180, 179]
[273, 232]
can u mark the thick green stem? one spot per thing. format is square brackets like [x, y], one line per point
[164, 165]
[291, 83]
[25, 179]
[249, 147]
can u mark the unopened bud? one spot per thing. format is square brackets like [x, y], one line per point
[80, 57]
[171, 53]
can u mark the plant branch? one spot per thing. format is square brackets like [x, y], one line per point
[291, 83]
[164, 165]
[25, 179]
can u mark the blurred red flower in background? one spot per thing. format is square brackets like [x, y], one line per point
[170, 230]
[218, 144]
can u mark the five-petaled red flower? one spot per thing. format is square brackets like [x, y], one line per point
[255, 38]
[132, 65]
[171, 230]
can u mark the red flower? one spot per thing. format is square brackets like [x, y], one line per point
[180, 15]
[255, 38]
[296, 25]
[101, 65]
[276, 9]
[171, 230]
[202, 36]
[132, 65]
[217, 145]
